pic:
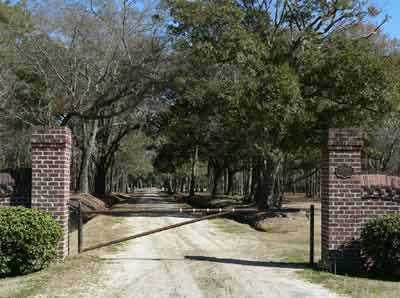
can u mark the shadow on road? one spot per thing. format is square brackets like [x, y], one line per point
[271, 264]
[288, 265]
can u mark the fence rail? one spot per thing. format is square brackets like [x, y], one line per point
[380, 180]
[308, 183]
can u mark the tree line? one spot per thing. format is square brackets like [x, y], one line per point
[224, 96]
[260, 82]
[93, 66]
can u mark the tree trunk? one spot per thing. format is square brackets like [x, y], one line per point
[175, 184]
[182, 184]
[250, 181]
[254, 180]
[170, 187]
[266, 192]
[193, 172]
[223, 182]
[210, 178]
[216, 177]
[89, 144]
[100, 181]
[261, 186]
[126, 182]
[167, 185]
[231, 175]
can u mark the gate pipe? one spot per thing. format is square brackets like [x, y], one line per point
[172, 210]
[157, 230]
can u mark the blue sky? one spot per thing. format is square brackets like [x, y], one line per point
[392, 8]
[389, 7]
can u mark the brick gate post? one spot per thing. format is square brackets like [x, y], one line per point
[341, 199]
[51, 148]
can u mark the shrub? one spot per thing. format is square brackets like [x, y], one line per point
[28, 240]
[380, 242]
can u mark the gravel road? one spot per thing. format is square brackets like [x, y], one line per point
[197, 261]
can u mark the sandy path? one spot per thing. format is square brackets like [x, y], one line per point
[196, 261]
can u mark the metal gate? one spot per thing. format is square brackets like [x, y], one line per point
[212, 213]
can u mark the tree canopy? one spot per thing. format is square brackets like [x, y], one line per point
[257, 84]
[223, 87]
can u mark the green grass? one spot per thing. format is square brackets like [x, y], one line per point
[230, 226]
[56, 277]
[287, 241]
[277, 229]
[82, 270]
[354, 287]
[299, 258]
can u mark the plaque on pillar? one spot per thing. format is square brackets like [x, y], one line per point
[344, 172]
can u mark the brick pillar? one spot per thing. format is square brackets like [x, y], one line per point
[341, 199]
[51, 148]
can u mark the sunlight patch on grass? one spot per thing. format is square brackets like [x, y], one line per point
[354, 287]
[230, 226]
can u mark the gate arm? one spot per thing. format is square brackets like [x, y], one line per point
[158, 230]
[171, 210]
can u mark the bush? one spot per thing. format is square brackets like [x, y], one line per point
[28, 240]
[380, 243]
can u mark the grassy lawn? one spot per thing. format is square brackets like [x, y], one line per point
[76, 270]
[354, 287]
[289, 240]
[286, 240]
[55, 278]
[294, 244]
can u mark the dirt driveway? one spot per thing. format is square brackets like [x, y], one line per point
[199, 260]
[214, 259]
